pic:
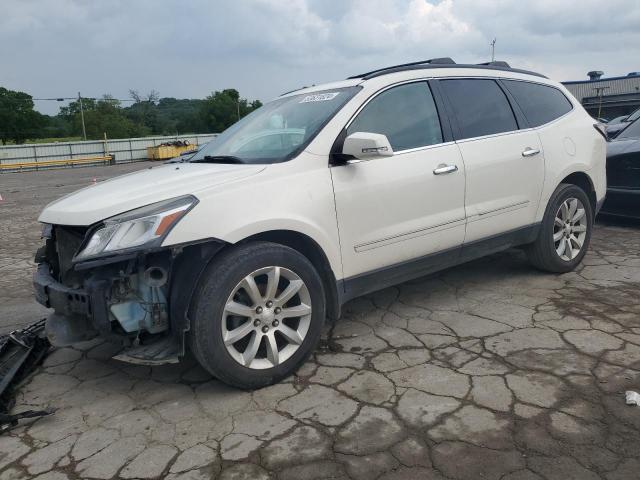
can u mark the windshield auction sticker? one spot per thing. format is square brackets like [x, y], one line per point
[320, 97]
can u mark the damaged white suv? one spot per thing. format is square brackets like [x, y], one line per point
[242, 251]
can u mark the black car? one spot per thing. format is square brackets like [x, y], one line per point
[615, 127]
[623, 173]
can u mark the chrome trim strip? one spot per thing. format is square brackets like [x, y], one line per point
[363, 247]
[498, 211]
[426, 147]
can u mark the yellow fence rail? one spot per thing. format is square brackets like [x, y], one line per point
[70, 162]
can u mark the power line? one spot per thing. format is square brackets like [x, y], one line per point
[62, 99]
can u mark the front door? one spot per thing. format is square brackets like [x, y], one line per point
[394, 210]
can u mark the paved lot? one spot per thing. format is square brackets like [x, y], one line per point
[486, 371]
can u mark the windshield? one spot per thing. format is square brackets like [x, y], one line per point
[632, 131]
[634, 116]
[276, 131]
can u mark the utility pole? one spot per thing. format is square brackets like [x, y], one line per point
[493, 49]
[600, 92]
[84, 130]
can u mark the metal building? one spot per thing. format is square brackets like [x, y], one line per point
[607, 97]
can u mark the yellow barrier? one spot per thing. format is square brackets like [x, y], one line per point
[53, 163]
[165, 152]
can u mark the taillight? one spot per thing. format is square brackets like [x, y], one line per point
[602, 130]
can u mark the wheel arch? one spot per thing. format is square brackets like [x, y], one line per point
[308, 247]
[583, 180]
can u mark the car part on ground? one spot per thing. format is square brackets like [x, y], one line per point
[632, 398]
[21, 351]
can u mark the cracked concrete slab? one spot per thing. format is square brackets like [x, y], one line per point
[489, 370]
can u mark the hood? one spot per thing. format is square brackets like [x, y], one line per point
[121, 194]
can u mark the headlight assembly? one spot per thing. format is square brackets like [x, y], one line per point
[140, 228]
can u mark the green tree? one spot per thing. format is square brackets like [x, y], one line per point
[18, 119]
[144, 110]
[222, 109]
[102, 116]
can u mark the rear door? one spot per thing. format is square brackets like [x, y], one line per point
[392, 210]
[503, 159]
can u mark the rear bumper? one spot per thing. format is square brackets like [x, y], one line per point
[623, 202]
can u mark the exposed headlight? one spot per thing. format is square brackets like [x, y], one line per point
[143, 227]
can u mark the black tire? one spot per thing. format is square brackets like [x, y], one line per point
[218, 281]
[542, 253]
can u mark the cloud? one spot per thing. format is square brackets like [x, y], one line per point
[188, 48]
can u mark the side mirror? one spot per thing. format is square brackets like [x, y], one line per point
[366, 146]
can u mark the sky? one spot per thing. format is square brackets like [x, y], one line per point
[190, 48]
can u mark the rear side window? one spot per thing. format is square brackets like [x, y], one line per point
[540, 103]
[480, 106]
[406, 114]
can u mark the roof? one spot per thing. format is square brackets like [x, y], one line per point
[324, 86]
[431, 64]
[587, 80]
[607, 87]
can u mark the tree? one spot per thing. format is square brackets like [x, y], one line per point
[18, 119]
[143, 111]
[102, 116]
[223, 109]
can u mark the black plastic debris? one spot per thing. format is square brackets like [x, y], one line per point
[21, 352]
[175, 143]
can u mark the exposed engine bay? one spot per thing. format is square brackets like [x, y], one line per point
[125, 298]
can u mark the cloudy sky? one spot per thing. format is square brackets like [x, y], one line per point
[189, 48]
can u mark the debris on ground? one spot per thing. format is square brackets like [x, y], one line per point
[633, 398]
[21, 351]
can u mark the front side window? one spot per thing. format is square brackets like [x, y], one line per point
[406, 114]
[277, 130]
[480, 106]
[540, 103]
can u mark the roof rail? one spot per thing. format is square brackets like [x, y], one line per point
[444, 62]
[431, 61]
[495, 63]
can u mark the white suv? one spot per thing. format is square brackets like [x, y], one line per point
[242, 251]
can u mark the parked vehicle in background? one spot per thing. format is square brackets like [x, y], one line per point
[613, 129]
[623, 173]
[322, 195]
[616, 120]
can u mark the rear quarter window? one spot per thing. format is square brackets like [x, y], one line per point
[540, 103]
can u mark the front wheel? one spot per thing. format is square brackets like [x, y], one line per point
[565, 232]
[257, 314]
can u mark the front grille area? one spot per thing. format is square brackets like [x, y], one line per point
[64, 244]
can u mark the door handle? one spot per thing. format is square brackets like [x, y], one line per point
[530, 152]
[442, 169]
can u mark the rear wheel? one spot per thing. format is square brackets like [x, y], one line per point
[257, 314]
[565, 232]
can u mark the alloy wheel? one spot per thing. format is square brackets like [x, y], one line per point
[570, 229]
[266, 317]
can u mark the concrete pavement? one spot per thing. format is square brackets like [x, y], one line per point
[491, 370]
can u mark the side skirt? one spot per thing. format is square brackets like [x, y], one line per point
[368, 282]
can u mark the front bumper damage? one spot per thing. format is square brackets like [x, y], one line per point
[138, 300]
